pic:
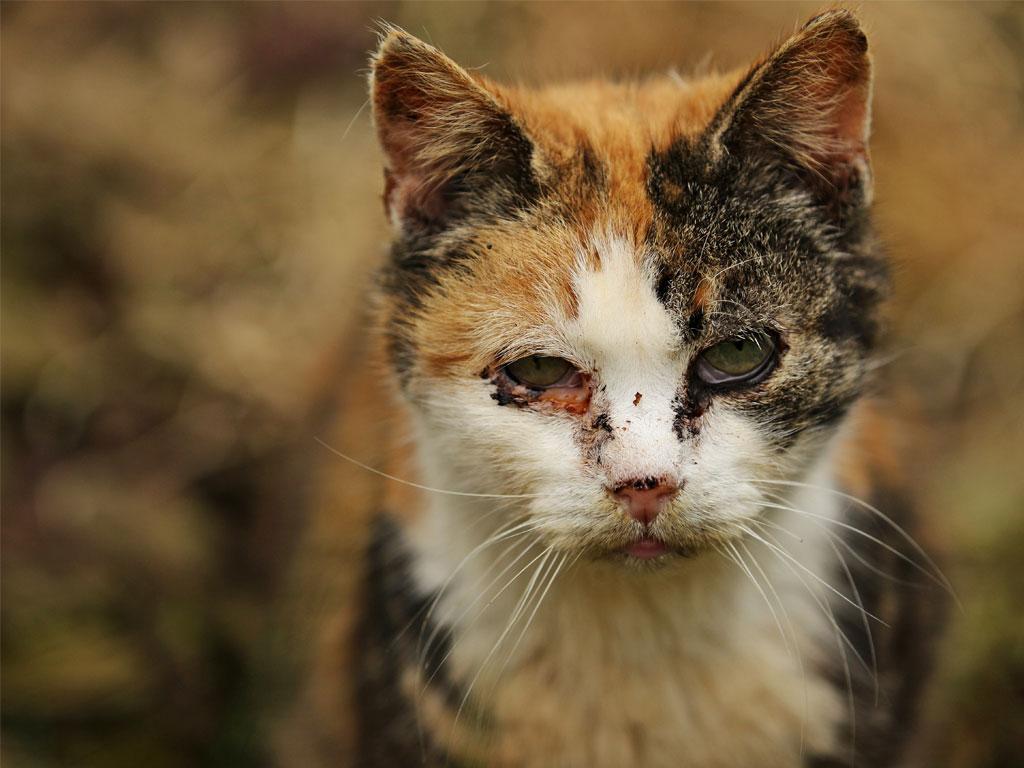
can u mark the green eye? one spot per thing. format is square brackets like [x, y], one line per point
[539, 372]
[736, 360]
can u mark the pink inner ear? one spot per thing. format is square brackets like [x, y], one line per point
[436, 124]
[828, 127]
[430, 114]
[843, 83]
[851, 122]
[410, 194]
[412, 187]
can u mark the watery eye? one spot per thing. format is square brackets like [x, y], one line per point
[537, 372]
[737, 360]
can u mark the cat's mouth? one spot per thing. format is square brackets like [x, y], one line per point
[647, 548]
[651, 548]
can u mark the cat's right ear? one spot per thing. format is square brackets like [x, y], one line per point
[445, 133]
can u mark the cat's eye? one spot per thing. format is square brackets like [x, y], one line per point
[746, 359]
[539, 372]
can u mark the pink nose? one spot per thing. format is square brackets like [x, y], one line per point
[645, 498]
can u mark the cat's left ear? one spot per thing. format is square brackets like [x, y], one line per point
[808, 102]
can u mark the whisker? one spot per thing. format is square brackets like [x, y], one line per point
[516, 613]
[516, 530]
[943, 580]
[863, 615]
[863, 561]
[480, 596]
[545, 570]
[940, 581]
[781, 529]
[556, 570]
[498, 536]
[355, 117]
[824, 605]
[738, 560]
[837, 632]
[825, 584]
[726, 268]
[436, 630]
[421, 487]
[833, 540]
[792, 631]
[841, 542]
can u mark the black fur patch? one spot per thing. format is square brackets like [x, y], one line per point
[768, 256]
[695, 325]
[666, 280]
[593, 175]
[861, 286]
[914, 609]
[389, 642]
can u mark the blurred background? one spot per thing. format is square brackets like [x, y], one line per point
[190, 218]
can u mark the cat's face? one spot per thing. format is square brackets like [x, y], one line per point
[634, 304]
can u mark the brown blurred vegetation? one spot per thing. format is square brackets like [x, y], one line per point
[190, 217]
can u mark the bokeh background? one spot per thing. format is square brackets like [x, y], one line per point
[190, 218]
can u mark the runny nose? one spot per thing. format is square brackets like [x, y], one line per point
[645, 498]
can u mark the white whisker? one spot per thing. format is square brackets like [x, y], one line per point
[440, 592]
[842, 641]
[422, 487]
[738, 560]
[789, 561]
[516, 613]
[502, 535]
[792, 632]
[863, 615]
[480, 596]
[511, 654]
[825, 584]
[935, 577]
[943, 581]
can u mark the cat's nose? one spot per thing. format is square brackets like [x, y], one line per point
[645, 497]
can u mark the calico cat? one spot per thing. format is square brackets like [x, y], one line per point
[656, 520]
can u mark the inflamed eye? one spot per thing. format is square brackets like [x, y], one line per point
[538, 372]
[740, 360]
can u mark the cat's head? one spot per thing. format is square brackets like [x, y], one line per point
[632, 302]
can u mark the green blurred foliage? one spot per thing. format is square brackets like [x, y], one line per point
[190, 215]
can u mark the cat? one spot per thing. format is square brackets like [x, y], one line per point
[654, 516]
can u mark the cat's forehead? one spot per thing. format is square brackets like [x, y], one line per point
[594, 140]
[620, 122]
[625, 163]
